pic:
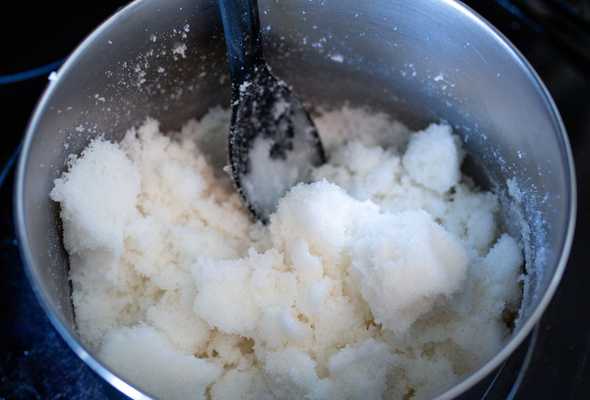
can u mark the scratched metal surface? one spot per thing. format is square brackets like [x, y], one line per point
[553, 34]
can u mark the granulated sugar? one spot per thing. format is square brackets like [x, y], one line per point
[386, 277]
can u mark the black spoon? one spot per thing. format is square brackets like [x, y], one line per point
[273, 143]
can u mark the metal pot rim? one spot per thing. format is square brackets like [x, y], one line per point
[86, 355]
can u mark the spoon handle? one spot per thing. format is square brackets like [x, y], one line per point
[241, 27]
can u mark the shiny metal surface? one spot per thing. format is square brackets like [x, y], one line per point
[420, 61]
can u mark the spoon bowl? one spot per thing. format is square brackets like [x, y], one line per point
[273, 143]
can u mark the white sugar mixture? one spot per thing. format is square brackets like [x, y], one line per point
[389, 276]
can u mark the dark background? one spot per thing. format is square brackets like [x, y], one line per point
[554, 35]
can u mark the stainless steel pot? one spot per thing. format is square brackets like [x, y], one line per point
[419, 60]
